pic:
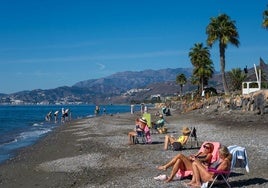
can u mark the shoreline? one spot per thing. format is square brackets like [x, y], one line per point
[93, 152]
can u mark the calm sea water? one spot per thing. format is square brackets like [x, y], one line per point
[21, 126]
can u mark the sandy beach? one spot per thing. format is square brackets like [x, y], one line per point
[94, 152]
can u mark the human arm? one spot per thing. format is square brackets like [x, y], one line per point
[193, 156]
[205, 158]
[224, 165]
[202, 157]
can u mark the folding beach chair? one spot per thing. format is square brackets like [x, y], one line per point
[140, 138]
[192, 138]
[239, 160]
[219, 175]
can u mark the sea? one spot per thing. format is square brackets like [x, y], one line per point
[24, 125]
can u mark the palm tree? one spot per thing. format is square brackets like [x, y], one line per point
[237, 76]
[223, 30]
[194, 81]
[265, 19]
[203, 66]
[181, 79]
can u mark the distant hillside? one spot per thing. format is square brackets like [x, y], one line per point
[122, 87]
[123, 81]
[101, 90]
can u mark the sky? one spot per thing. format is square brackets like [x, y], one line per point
[53, 43]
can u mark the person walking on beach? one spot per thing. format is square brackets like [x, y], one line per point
[56, 116]
[49, 116]
[142, 108]
[132, 109]
[66, 115]
[62, 115]
[97, 110]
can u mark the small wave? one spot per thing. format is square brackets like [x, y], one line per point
[9, 142]
[32, 134]
[91, 116]
[37, 124]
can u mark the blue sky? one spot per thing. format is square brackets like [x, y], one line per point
[52, 43]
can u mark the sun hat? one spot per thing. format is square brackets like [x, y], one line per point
[186, 130]
[143, 120]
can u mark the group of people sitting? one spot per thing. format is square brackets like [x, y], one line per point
[198, 163]
[141, 127]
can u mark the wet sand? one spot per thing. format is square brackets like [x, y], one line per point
[93, 152]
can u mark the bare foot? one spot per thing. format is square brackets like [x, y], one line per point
[196, 185]
[162, 168]
[189, 183]
[168, 180]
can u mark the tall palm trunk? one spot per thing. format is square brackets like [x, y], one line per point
[202, 85]
[222, 60]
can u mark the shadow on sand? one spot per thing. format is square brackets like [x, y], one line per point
[248, 182]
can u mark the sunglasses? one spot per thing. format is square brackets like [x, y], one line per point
[206, 147]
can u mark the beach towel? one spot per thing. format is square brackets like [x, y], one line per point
[240, 158]
[147, 135]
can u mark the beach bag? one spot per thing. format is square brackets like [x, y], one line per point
[162, 130]
[176, 146]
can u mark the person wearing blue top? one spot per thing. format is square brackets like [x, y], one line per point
[159, 123]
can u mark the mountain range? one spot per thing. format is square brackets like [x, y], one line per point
[121, 87]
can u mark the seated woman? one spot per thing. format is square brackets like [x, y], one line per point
[201, 173]
[132, 134]
[141, 126]
[169, 140]
[182, 162]
[159, 123]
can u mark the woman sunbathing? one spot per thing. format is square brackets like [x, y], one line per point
[170, 140]
[201, 173]
[184, 163]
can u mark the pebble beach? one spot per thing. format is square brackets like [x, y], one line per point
[94, 152]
